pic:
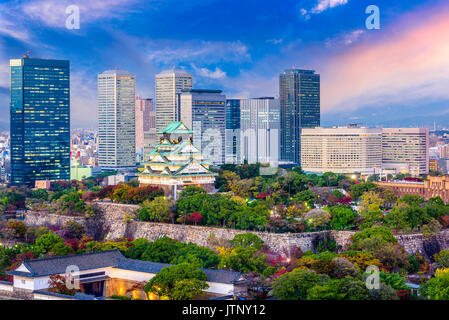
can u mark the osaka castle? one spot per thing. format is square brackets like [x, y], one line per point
[176, 162]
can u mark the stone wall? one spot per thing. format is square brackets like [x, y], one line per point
[110, 225]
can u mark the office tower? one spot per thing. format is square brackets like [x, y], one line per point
[145, 126]
[351, 149]
[259, 123]
[40, 120]
[299, 95]
[116, 116]
[232, 152]
[205, 112]
[407, 149]
[169, 85]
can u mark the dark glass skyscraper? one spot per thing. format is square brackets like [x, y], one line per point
[40, 120]
[232, 150]
[299, 95]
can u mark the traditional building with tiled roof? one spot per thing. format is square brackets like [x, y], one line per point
[176, 162]
[102, 275]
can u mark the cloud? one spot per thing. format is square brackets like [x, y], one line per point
[53, 13]
[275, 41]
[174, 51]
[407, 64]
[204, 72]
[345, 39]
[323, 5]
[83, 96]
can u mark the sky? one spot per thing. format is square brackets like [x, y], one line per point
[397, 75]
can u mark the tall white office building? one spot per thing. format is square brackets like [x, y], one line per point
[259, 125]
[116, 120]
[169, 85]
[351, 149]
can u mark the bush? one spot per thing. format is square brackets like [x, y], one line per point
[296, 285]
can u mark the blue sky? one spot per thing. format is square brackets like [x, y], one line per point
[398, 75]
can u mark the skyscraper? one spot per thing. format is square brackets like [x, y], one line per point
[169, 84]
[205, 112]
[406, 149]
[116, 116]
[260, 130]
[145, 126]
[232, 152]
[351, 149]
[40, 120]
[299, 94]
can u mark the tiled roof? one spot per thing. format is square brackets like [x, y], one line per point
[58, 265]
[110, 258]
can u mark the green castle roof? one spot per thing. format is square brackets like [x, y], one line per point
[176, 127]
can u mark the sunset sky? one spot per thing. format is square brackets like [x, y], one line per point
[395, 76]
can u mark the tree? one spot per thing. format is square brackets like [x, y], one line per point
[383, 233]
[244, 260]
[371, 215]
[296, 285]
[181, 282]
[162, 250]
[137, 248]
[437, 288]
[47, 241]
[57, 284]
[18, 226]
[347, 288]
[343, 217]
[158, 210]
[397, 219]
[246, 240]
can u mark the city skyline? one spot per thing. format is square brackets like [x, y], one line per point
[365, 73]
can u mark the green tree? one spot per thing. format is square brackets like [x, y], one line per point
[296, 285]
[437, 288]
[162, 250]
[158, 210]
[347, 288]
[244, 260]
[343, 217]
[246, 240]
[171, 282]
[47, 241]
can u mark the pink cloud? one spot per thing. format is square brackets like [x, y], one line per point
[408, 62]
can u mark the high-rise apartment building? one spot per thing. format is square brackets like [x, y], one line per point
[407, 148]
[116, 120]
[169, 85]
[351, 149]
[232, 152]
[205, 112]
[40, 120]
[145, 126]
[260, 122]
[299, 94]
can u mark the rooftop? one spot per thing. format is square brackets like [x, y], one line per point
[109, 258]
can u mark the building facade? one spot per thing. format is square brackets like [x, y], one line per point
[232, 150]
[205, 112]
[177, 162]
[116, 120]
[299, 94]
[145, 126]
[169, 85]
[342, 150]
[408, 147]
[260, 124]
[40, 120]
[433, 186]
